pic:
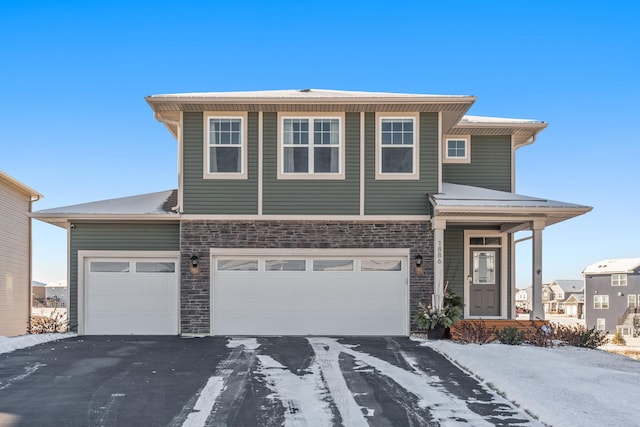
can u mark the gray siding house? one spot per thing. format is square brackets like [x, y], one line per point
[612, 295]
[311, 212]
[16, 200]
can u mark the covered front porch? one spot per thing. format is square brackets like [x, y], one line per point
[474, 246]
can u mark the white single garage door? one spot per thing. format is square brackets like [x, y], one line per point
[131, 296]
[293, 295]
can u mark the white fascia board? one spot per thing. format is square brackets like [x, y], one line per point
[57, 218]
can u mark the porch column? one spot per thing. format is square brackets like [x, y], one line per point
[438, 225]
[536, 266]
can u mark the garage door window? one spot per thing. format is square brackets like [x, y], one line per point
[333, 265]
[109, 267]
[285, 265]
[237, 265]
[381, 265]
[155, 267]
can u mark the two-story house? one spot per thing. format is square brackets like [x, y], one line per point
[16, 200]
[612, 295]
[311, 212]
[564, 297]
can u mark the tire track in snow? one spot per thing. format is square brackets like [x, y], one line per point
[202, 405]
[447, 410]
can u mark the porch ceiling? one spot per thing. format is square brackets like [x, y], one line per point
[512, 212]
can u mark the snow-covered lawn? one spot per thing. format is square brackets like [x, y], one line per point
[562, 386]
[8, 345]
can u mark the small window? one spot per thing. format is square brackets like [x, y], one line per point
[380, 265]
[485, 241]
[110, 267]
[484, 267]
[155, 267]
[311, 146]
[618, 280]
[286, 265]
[333, 265]
[601, 302]
[456, 149]
[631, 301]
[237, 265]
[600, 324]
[225, 145]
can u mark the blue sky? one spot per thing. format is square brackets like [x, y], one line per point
[76, 128]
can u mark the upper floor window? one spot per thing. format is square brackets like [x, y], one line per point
[397, 147]
[600, 324]
[631, 301]
[457, 149]
[618, 280]
[601, 301]
[225, 146]
[311, 147]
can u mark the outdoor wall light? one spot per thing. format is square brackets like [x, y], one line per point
[620, 294]
[418, 259]
[194, 261]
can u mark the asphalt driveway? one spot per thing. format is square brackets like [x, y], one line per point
[266, 381]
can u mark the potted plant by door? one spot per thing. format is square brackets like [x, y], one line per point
[437, 321]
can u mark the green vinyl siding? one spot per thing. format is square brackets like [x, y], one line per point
[311, 196]
[115, 237]
[490, 165]
[217, 196]
[402, 197]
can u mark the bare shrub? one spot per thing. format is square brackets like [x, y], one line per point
[542, 336]
[579, 336]
[56, 322]
[474, 332]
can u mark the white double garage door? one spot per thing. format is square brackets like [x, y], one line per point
[265, 292]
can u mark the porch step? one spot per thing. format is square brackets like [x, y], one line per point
[491, 324]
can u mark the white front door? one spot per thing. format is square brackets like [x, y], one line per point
[312, 295]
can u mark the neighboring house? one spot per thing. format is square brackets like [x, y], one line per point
[16, 200]
[310, 212]
[559, 291]
[612, 295]
[38, 293]
[523, 299]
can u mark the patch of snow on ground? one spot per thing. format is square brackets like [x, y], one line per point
[303, 397]
[7, 345]
[564, 386]
[248, 343]
[205, 402]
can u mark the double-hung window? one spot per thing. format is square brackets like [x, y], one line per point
[457, 149]
[397, 147]
[618, 280]
[225, 146]
[311, 147]
[601, 301]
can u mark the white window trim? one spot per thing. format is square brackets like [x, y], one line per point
[601, 302]
[619, 276]
[633, 298]
[604, 324]
[467, 149]
[312, 175]
[243, 116]
[416, 147]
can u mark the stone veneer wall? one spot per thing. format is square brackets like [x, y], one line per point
[197, 237]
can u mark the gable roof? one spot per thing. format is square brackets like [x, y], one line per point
[569, 285]
[612, 266]
[151, 206]
[14, 183]
[467, 200]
